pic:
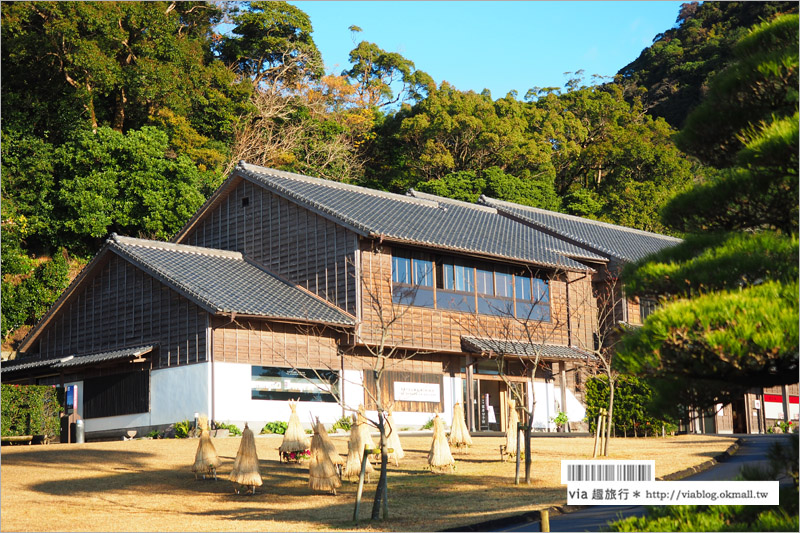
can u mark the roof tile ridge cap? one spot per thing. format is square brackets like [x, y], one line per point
[419, 195]
[580, 219]
[339, 185]
[176, 247]
[280, 278]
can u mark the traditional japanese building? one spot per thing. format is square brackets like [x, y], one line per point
[284, 286]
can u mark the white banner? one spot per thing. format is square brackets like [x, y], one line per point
[674, 493]
[416, 392]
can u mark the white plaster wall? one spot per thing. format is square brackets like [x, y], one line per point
[545, 405]
[233, 403]
[178, 393]
[576, 411]
[117, 422]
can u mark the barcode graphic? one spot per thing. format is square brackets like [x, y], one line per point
[577, 471]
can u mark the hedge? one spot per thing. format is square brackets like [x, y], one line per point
[30, 410]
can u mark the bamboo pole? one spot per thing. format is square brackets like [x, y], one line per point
[545, 525]
[516, 476]
[598, 431]
[364, 459]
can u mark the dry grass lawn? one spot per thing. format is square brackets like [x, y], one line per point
[147, 485]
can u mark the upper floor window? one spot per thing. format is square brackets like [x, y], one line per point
[532, 297]
[463, 285]
[412, 279]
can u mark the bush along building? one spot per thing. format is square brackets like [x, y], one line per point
[282, 287]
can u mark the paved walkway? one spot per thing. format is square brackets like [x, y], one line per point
[752, 451]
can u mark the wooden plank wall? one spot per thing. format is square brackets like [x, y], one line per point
[387, 391]
[582, 311]
[435, 330]
[258, 342]
[289, 240]
[122, 306]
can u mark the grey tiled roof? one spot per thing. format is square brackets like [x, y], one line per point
[225, 282]
[15, 365]
[426, 221]
[81, 360]
[76, 360]
[510, 347]
[626, 244]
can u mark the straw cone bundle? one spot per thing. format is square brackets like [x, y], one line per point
[245, 466]
[206, 459]
[459, 433]
[440, 458]
[294, 440]
[361, 421]
[393, 440]
[328, 445]
[355, 451]
[511, 428]
[322, 474]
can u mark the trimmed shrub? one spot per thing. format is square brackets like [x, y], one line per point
[278, 427]
[343, 423]
[31, 410]
[232, 428]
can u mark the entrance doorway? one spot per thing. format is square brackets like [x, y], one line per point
[487, 414]
[491, 403]
[739, 416]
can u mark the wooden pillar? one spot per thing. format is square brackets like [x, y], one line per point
[562, 368]
[785, 400]
[470, 407]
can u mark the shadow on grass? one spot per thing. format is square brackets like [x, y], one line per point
[75, 457]
[418, 499]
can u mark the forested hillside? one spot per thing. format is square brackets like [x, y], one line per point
[124, 116]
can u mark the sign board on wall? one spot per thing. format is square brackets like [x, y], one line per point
[405, 391]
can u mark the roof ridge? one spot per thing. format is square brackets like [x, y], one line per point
[444, 200]
[183, 248]
[488, 201]
[248, 167]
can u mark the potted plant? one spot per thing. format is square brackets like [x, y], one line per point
[560, 421]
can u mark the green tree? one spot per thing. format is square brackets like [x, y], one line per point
[469, 185]
[675, 69]
[126, 183]
[730, 300]
[113, 63]
[272, 43]
[375, 71]
[611, 160]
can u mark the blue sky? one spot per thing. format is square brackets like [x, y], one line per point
[501, 46]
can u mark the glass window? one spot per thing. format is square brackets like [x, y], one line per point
[541, 290]
[523, 287]
[446, 281]
[464, 278]
[484, 281]
[495, 306]
[454, 301]
[423, 272]
[308, 385]
[647, 306]
[401, 269]
[504, 284]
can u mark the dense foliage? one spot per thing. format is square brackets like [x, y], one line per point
[633, 407]
[30, 410]
[730, 299]
[675, 69]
